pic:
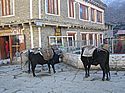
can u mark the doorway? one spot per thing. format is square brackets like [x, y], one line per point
[4, 47]
[10, 45]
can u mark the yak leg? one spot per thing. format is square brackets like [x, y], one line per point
[88, 69]
[104, 71]
[52, 64]
[33, 69]
[107, 73]
[107, 77]
[103, 78]
[49, 68]
[28, 66]
[53, 68]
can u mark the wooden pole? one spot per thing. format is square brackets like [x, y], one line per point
[10, 46]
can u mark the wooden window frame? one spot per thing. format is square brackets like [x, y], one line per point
[5, 7]
[99, 16]
[84, 38]
[53, 7]
[91, 39]
[93, 14]
[71, 8]
[84, 12]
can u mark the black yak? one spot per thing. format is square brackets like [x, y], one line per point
[39, 58]
[98, 56]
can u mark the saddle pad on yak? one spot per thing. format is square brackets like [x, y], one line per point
[88, 51]
[47, 53]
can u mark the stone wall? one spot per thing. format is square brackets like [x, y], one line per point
[116, 60]
[21, 13]
[46, 31]
[27, 37]
[35, 36]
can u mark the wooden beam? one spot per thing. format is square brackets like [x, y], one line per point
[10, 46]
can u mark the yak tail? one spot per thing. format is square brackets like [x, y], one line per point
[108, 67]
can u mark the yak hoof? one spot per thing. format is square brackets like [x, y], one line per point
[107, 79]
[86, 76]
[54, 72]
[103, 79]
[29, 71]
[50, 72]
[34, 75]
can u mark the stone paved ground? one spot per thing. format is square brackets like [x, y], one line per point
[66, 80]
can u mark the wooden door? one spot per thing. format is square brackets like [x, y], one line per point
[2, 48]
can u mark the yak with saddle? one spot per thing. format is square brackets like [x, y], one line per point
[93, 56]
[46, 56]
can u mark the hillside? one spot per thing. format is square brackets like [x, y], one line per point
[115, 12]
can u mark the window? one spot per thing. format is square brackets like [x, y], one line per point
[84, 39]
[52, 6]
[101, 38]
[70, 39]
[91, 39]
[96, 39]
[71, 8]
[84, 12]
[99, 16]
[92, 15]
[6, 7]
[86, 0]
